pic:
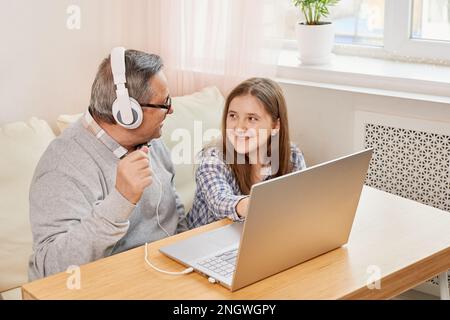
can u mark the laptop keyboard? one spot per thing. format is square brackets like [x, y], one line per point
[223, 264]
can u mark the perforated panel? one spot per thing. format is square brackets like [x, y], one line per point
[411, 164]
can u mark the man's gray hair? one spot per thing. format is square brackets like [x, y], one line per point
[140, 68]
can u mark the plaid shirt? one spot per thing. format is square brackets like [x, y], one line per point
[218, 192]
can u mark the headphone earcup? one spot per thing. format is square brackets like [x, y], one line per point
[136, 111]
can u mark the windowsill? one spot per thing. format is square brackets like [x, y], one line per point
[371, 76]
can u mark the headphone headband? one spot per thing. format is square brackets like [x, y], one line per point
[118, 65]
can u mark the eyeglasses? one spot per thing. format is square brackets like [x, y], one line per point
[167, 104]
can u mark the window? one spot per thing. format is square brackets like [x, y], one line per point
[409, 28]
[431, 20]
[359, 22]
[421, 30]
[356, 21]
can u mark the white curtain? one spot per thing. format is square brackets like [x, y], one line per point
[214, 42]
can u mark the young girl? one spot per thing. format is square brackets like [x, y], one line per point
[255, 147]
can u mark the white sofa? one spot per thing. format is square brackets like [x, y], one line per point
[22, 144]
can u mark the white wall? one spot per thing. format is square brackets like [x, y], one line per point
[322, 120]
[47, 69]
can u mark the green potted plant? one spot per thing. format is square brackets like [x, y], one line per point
[315, 36]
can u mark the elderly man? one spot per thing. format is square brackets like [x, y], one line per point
[101, 187]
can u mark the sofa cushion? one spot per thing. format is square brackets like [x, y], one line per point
[64, 120]
[22, 145]
[201, 110]
[195, 116]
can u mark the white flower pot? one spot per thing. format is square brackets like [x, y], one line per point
[315, 43]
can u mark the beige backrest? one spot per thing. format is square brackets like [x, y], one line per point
[195, 116]
[21, 145]
[202, 110]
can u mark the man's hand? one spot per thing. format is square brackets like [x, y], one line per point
[242, 207]
[134, 175]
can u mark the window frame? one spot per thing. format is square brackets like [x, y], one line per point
[398, 31]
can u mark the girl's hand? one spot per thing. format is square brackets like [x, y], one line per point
[242, 207]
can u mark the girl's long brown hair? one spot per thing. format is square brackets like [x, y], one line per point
[269, 93]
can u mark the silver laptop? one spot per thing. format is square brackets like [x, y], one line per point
[290, 219]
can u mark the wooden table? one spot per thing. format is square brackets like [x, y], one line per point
[402, 241]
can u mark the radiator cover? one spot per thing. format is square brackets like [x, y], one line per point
[411, 159]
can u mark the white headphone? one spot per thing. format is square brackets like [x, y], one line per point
[126, 110]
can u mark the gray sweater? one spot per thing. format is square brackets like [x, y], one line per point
[77, 216]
